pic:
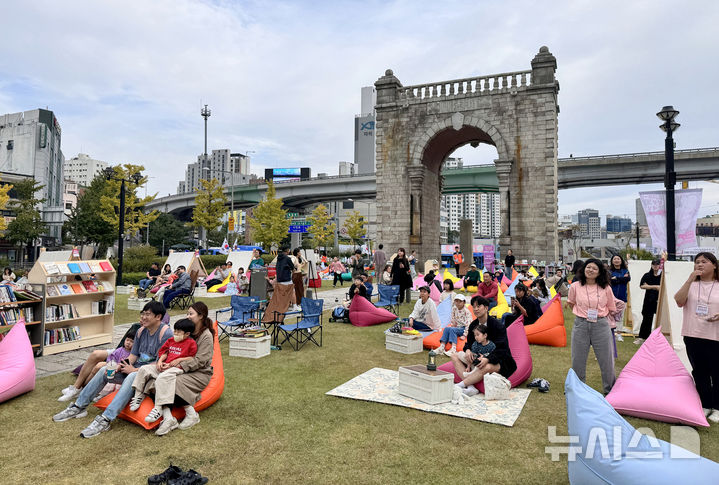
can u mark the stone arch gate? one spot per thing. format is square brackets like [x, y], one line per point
[419, 126]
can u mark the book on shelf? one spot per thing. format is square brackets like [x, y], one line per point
[74, 268]
[51, 268]
[85, 267]
[95, 267]
[63, 268]
[77, 288]
[22, 295]
[52, 290]
[104, 306]
[61, 335]
[90, 286]
[65, 289]
[105, 266]
[11, 316]
[104, 286]
[58, 313]
[6, 294]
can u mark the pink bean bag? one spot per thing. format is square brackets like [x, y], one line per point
[519, 346]
[365, 314]
[434, 293]
[655, 385]
[458, 285]
[17, 363]
[418, 281]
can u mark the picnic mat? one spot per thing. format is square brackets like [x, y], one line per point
[381, 385]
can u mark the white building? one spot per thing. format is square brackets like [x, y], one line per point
[347, 168]
[69, 196]
[83, 169]
[489, 216]
[364, 133]
[229, 168]
[30, 147]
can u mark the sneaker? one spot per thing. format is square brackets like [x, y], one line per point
[535, 382]
[171, 473]
[620, 338]
[190, 477]
[70, 412]
[135, 403]
[189, 421]
[166, 426]
[544, 386]
[69, 393]
[470, 391]
[714, 416]
[154, 415]
[707, 412]
[450, 352]
[638, 341]
[99, 425]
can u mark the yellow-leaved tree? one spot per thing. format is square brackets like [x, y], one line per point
[4, 198]
[321, 228]
[269, 223]
[209, 206]
[135, 216]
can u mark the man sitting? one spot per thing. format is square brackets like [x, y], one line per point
[472, 276]
[488, 289]
[148, 340]
[181, 286]
[221, 274]
[152, 274]
[424, 316]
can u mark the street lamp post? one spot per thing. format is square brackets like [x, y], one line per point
[109, 173]
[667, 115]
[232, 197]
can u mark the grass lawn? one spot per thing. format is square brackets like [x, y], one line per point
[274, 424]
[123, 315]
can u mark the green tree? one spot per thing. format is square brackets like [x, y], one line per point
[355, 227]
[269, 223]
[4, 199]
[27, 225]
[86, 224]
[452, 237]
[216, 237]
[135, 217]
[166, 231]
[209, 206]
[322, 230]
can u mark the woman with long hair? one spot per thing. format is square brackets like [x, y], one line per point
[699, 299]
[401, 273]
[447, 290]
[619, 280]
[591, 299]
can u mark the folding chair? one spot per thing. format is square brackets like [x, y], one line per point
[245, 313]
[185, 300]
[308, 324]
[388, 297]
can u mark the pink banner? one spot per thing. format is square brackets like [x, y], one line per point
[488, 250]
[687, 203]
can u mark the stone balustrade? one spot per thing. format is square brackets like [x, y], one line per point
[492, 84]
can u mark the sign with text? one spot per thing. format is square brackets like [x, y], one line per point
[299, 228]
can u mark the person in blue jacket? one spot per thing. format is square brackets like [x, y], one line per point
[619, 279]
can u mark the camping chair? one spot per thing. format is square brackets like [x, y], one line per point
[388, 297]
[308, 324]
[184, 301]
[245, 313]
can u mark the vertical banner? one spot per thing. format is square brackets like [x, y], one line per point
[687, 203]
[488, 250]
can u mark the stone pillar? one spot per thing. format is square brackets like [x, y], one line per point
[544, 65]
[466, 241]
[504, 168]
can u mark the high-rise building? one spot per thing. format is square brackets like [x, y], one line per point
[365, 133]
[489, 215]
[589, 223]
[82, 169]
[618, 224]
[229, 168]
[30, 147]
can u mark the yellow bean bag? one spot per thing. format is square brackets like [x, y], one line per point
[217, 287]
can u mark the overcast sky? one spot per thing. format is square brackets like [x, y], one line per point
[126, 80]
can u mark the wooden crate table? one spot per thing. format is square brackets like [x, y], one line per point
[252, 348]
[404, 344]
[432, 387]
[137, 303]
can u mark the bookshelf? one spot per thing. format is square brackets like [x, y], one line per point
[79, 301]
[24, 303]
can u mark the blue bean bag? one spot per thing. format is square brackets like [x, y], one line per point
[634, 458]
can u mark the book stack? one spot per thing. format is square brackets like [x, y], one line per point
[6, 294]
[10, 316]
[77, 267]
[102, 307]
[58, 313]
[60, 335]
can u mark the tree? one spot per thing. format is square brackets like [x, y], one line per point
[209, 206]
[86, 224]
[135, 217]
[321, 229]
[217, 236]
[354, 225]
[4, 199]
[452, 237]
[28, 224]
[269, 223]
[166, 231]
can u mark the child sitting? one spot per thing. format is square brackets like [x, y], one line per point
[481, 347]
[231, 288]
[459, 321]
[165, 370]
[243, 283]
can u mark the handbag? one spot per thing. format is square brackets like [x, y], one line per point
[496, 387]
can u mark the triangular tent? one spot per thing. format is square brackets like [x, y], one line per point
[190, 260]
[240, 259]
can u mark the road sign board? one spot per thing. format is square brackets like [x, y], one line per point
[231, 224]
[299, 228]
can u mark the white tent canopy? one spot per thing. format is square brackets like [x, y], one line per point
[637, 269]
[239, 259]
[190, 260]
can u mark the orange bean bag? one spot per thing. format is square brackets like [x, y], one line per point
[444, 309]
[549, 328]
[431, 341]
[209, 396]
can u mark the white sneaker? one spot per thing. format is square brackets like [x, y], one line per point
[450, 352]
[69, 393]
[135, 403]
[714, 416]
[638, 341]
[470, 391]
[620, 338]
[439, 350]
[707, 412]
[166, 426]
[189, 421]
[154, 415]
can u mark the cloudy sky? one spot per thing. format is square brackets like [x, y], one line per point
[127, 79]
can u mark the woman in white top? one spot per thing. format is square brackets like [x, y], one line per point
[459, 321]
[8, 276]
[424, 316]
[699, 299]
[387, 274]
[447, 290]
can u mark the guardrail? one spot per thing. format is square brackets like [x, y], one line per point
[639, 154]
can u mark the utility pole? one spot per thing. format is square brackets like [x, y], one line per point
[205, 113]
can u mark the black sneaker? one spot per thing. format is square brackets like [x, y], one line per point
[535, 382]
[543, 386]
[171, 473]
[190, 477]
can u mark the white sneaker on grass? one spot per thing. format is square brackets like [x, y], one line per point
[638, 341]
[69, 393]
[166, 426]
[470, 391]
[714, 416]
[70, 412]
[707, 412]
[99, 425]
[190, 420]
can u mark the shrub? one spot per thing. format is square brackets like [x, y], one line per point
[132, 278]
[140, 252]
[211, 261]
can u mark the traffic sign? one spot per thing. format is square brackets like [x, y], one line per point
[299, 228]
[231, 224]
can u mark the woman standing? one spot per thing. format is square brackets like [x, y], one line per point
[591, 299]
[699, 298]
[413, 263]
[257, 261]
[619, 279]
[401, 273]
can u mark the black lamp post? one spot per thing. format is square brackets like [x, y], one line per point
[667, 115]
[110, 174]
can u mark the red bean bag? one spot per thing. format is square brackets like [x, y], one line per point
[519, 347]
[17, 363]
[365, 314]
[208, 397]
[549, 328]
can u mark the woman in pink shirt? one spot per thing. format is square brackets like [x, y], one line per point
[591, 299]
[699, 298]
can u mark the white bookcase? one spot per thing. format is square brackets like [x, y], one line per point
[79, 303]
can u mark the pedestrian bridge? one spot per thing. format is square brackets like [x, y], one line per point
[574, 172]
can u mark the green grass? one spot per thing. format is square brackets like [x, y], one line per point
[123, 315]
[274, 424]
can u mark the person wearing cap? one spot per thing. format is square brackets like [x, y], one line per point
[424, 316]
[488, 289]
[650, 282]
[472, 276]
[459, 321]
